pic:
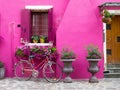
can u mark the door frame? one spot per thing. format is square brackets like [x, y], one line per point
[115, 12]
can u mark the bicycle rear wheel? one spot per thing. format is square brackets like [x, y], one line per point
[52, 72]
[23, 70]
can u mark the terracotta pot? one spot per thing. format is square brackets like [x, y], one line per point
[107, 20]
[35, 41]
[42, 40]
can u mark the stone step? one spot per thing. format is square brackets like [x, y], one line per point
[114, 70]
[112, 75]
[113, 65]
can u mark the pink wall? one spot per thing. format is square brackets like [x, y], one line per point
[80, 25]
[10, 18]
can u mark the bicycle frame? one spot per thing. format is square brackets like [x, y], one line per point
[40, 65]
[37, 67]
[25, 69]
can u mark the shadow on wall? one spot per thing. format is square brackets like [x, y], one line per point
[1, 38]
[0, 24]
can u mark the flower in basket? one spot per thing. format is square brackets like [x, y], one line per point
[41, 52]
[22, 52]
[93, 52]
[67, 54]
[37, 51]
[53, 52]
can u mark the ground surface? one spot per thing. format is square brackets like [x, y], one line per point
[104, 84]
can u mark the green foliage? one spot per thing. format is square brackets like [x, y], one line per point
[107, 14]
[19, 52]
[67, 54]
[35, 50]
[35, 37]
[43, 37]
[93, 52]
[52, 49]
[23, 52]
[1, 64]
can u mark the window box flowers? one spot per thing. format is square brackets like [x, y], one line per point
[38, 52]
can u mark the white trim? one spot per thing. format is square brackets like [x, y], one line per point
[39, 7]
[39, 44]
[115, 12]
[104, 46]
[93, 60]
[68, 59]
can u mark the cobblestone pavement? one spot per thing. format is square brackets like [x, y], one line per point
[104, 84]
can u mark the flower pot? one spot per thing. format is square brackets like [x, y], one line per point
[35, 41]
[2, 72]
[93, 69]
[68, 69]
[42, 40]
[107, 20]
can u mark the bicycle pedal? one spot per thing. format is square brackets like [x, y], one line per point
[35, 73]
[54, 78]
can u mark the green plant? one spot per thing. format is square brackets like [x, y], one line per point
[107, 14]
[42, 36]
[22, 52]
[1, 64]
[19, 52]
[93, 52]
[67, 54]
[35, 37]
[43, 39]
[36, 51]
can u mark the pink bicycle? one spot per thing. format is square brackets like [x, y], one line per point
[25, 69]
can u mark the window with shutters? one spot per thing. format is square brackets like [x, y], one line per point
[37, 22]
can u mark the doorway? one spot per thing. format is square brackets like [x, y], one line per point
[113, 41]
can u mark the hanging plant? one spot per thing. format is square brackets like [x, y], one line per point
[107, 16]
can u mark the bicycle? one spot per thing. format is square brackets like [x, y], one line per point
[25, 69]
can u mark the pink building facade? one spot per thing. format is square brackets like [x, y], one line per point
[77, 24]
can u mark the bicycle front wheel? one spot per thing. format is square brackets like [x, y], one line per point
[52, 72]
[23, 70]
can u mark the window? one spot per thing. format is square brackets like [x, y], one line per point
[108, 26]
[40, 23]
[37, 22]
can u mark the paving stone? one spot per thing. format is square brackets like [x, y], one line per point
[104, 84]
[110, 88]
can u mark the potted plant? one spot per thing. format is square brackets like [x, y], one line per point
[35, 38]
[93, 52]
[93, 56]
[67, 56]
[42, 38]
[22, 52]
[107, 16]
[2, 70]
